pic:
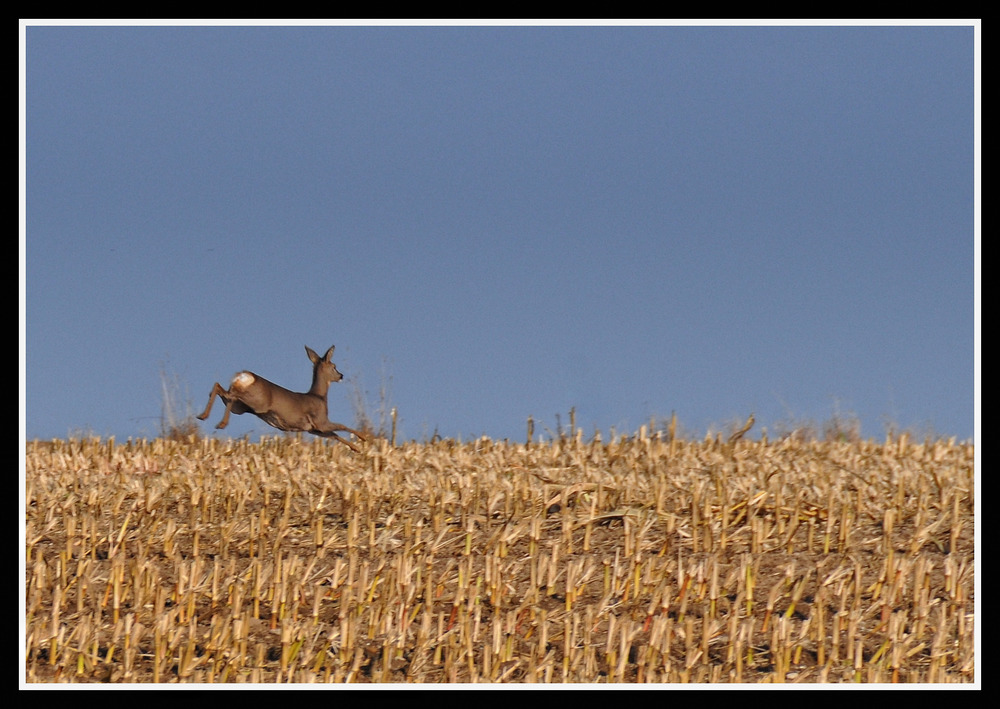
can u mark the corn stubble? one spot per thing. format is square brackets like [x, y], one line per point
[641, 560]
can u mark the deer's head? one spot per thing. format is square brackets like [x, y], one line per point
[324, 370]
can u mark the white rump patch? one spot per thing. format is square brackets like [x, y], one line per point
[242, 380]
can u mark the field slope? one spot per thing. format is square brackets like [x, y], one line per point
[639, 560]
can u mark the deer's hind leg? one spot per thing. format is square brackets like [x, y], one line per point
[216, 391]
[233, 405]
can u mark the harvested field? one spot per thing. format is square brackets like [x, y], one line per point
[642, 560]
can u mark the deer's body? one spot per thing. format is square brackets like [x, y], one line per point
[277, 406]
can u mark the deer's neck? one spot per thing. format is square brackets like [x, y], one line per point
[319, 386]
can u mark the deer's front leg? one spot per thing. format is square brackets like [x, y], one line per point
[341, 427]
[331, 434]
[329, 430]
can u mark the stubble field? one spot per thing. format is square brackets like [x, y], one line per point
[640, 560]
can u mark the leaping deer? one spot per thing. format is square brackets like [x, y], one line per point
[285, 410]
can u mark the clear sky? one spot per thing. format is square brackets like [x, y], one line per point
[502, 221]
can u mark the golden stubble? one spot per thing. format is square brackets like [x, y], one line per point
[645, 559]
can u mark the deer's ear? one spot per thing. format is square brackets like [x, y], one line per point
[329, 354]
[313, 357]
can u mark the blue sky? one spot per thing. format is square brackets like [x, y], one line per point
[503, 221]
